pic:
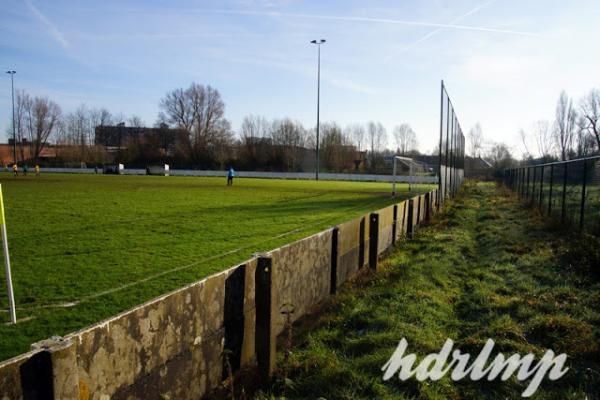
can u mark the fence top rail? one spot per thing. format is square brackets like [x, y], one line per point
[556, 163]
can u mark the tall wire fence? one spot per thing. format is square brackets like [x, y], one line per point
[452, 149]
[567, 190]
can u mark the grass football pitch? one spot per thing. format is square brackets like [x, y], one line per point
[85, 247]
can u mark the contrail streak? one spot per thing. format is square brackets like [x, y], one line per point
[438, 30]
[374, 20]
[49, 25]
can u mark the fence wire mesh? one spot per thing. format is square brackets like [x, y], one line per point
[566, 190]
[452, 149]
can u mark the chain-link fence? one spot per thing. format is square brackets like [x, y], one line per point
[452, 149]
[566, 190]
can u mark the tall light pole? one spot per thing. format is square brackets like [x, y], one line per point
[318, 43]
[12, 87]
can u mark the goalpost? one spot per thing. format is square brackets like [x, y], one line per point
[410, 163]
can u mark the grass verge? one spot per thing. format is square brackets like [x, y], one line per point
[487, 268]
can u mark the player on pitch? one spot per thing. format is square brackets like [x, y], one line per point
[230, 175]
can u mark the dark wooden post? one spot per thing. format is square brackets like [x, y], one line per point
[233, 318]
[373, 240]
[334, 260]
[394, 224]
[361, 243]
[264, 340]
[410, 219]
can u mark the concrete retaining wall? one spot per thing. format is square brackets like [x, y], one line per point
[175, 345]
[301, 276]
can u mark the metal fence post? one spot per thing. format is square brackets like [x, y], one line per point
[564, 194]
[533, 184]
[541, 187]
[522, 178]
[583, 188]
[527, 187]
[550, 190]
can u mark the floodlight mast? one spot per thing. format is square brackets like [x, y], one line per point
[408, 161]
[318, 43]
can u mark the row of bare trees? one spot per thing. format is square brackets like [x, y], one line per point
[280, 144]
[209, 141]
[40, 122]
[574, 133]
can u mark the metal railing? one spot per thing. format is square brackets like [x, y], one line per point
[567, 190]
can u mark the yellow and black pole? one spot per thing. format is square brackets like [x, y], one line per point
[11, 295]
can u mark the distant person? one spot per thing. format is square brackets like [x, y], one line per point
[5, 167]
[37, 170]
[15, 169]
[96, 169]
[230, 175]
[25, 170]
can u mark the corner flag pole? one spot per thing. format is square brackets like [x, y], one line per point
[11, 296]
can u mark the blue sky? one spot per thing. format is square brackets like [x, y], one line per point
[504, 61]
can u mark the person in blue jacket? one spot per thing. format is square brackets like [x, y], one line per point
[230, 175]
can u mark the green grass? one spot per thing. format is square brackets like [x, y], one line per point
[487, 268]
[107, 243]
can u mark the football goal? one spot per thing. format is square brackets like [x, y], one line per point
[405, 167]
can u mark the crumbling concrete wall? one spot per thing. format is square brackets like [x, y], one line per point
[170, 346]
[402, 219]
[301, 276]
[386, 227]
[348, 249]
[10, 375]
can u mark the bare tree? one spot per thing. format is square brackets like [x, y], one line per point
[200, 111]
[476, 140]
[543, 138]
[381, 137]
[590, 108]
[524, 138]
[376, 135]
[36, 120]
[178, 108]
[406, 139]
[357, 133]
[337, 154]
[135, 122]
[500, 156]
[564, 126]
[78, 130]
[255, 141]
[46, 114]
[287, 139]
[23, 118]
[585, 140]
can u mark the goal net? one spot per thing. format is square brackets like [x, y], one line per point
[406, 170]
